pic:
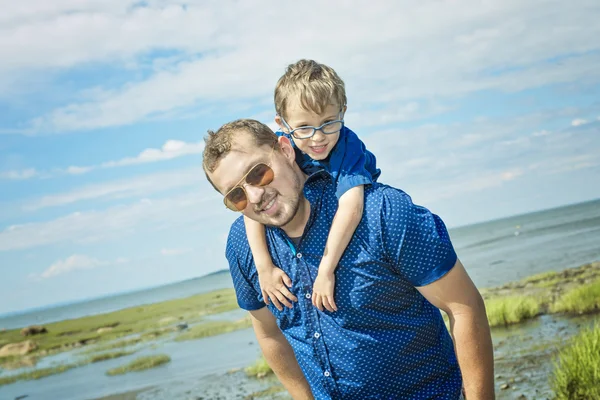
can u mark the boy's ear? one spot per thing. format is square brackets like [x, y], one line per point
[279, 122]
[344, 111]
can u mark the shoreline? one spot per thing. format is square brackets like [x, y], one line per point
[154, 323]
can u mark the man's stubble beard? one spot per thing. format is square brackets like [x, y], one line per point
[294, 203]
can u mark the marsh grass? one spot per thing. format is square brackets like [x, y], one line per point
[544, 276]
[259, 369]
[36, 374]
[119, 344]
[503, 311]
[140, 364]
[108, 356]
[581, 300]
[211, 328]
[267, 393]
[576, 373]
[69, 334]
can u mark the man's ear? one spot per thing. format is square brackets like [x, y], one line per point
[279, 122]
[286, 148]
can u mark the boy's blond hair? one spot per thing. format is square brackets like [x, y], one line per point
[315, 85]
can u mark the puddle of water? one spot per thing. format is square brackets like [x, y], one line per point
[232, 316]
[190, 360]
[524, 354]
[199, 368]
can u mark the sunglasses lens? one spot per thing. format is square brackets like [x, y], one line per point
[236, 199]
[260, 175]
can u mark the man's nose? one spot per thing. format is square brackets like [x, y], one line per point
[254, 193]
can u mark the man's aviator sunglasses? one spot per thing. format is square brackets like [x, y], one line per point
[306, 132]
[260, 175]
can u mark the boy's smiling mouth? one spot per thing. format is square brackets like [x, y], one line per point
[319, 149]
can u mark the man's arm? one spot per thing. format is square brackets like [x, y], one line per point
[279, 354]
[456, 294]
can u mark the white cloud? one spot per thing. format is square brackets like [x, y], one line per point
[73, 170]
[174, 252]
[70, 264]
[171, 149]
[543, 132]
[463, 46]
[116, 222]
[76, 262]
[19, 175]
[436, 162]
[578, 122]
[134, 187]
[511, 175]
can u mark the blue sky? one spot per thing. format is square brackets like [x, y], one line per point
[479, 110]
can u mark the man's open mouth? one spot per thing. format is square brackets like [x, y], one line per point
[270, 204]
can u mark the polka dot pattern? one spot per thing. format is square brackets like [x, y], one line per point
[386, 341]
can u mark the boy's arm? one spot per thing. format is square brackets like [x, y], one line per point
[279, 354]
[345, 221]
[272, 280]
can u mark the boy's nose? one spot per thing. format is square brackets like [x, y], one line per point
[319, 136]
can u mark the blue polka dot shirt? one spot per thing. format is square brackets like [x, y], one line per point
[386, 341]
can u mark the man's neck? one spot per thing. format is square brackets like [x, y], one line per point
[295, 228]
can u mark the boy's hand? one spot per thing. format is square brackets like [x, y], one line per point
[323, 291]
[274, 285]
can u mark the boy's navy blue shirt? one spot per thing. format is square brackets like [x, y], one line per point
[386, 341]
[349, 163]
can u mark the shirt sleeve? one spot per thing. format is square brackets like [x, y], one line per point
[240, 260]
[415, 240]
[351, 164]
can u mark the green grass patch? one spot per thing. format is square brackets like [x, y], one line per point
[211, 328]
[68, 334]
[36, 374]
[140, 364]
[544, 276]
[576, 373]
[108, 356]
[503, 311]
[267, 393]
[581, 300]
[119, 344]
[259, 369]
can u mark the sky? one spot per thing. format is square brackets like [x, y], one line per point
[477, 109]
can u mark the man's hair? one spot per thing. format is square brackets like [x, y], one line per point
[315, 85]
[218, 144]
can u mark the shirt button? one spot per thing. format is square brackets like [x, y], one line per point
[317, 335]
[299, 255]
[308, 295]
[326, 373]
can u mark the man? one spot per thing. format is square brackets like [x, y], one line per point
[387, 340]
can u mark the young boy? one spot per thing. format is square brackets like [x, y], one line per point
[310, 100]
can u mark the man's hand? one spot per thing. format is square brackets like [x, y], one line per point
[274, 284]
[322, 296]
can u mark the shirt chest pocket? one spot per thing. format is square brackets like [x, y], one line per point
[373, 287]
